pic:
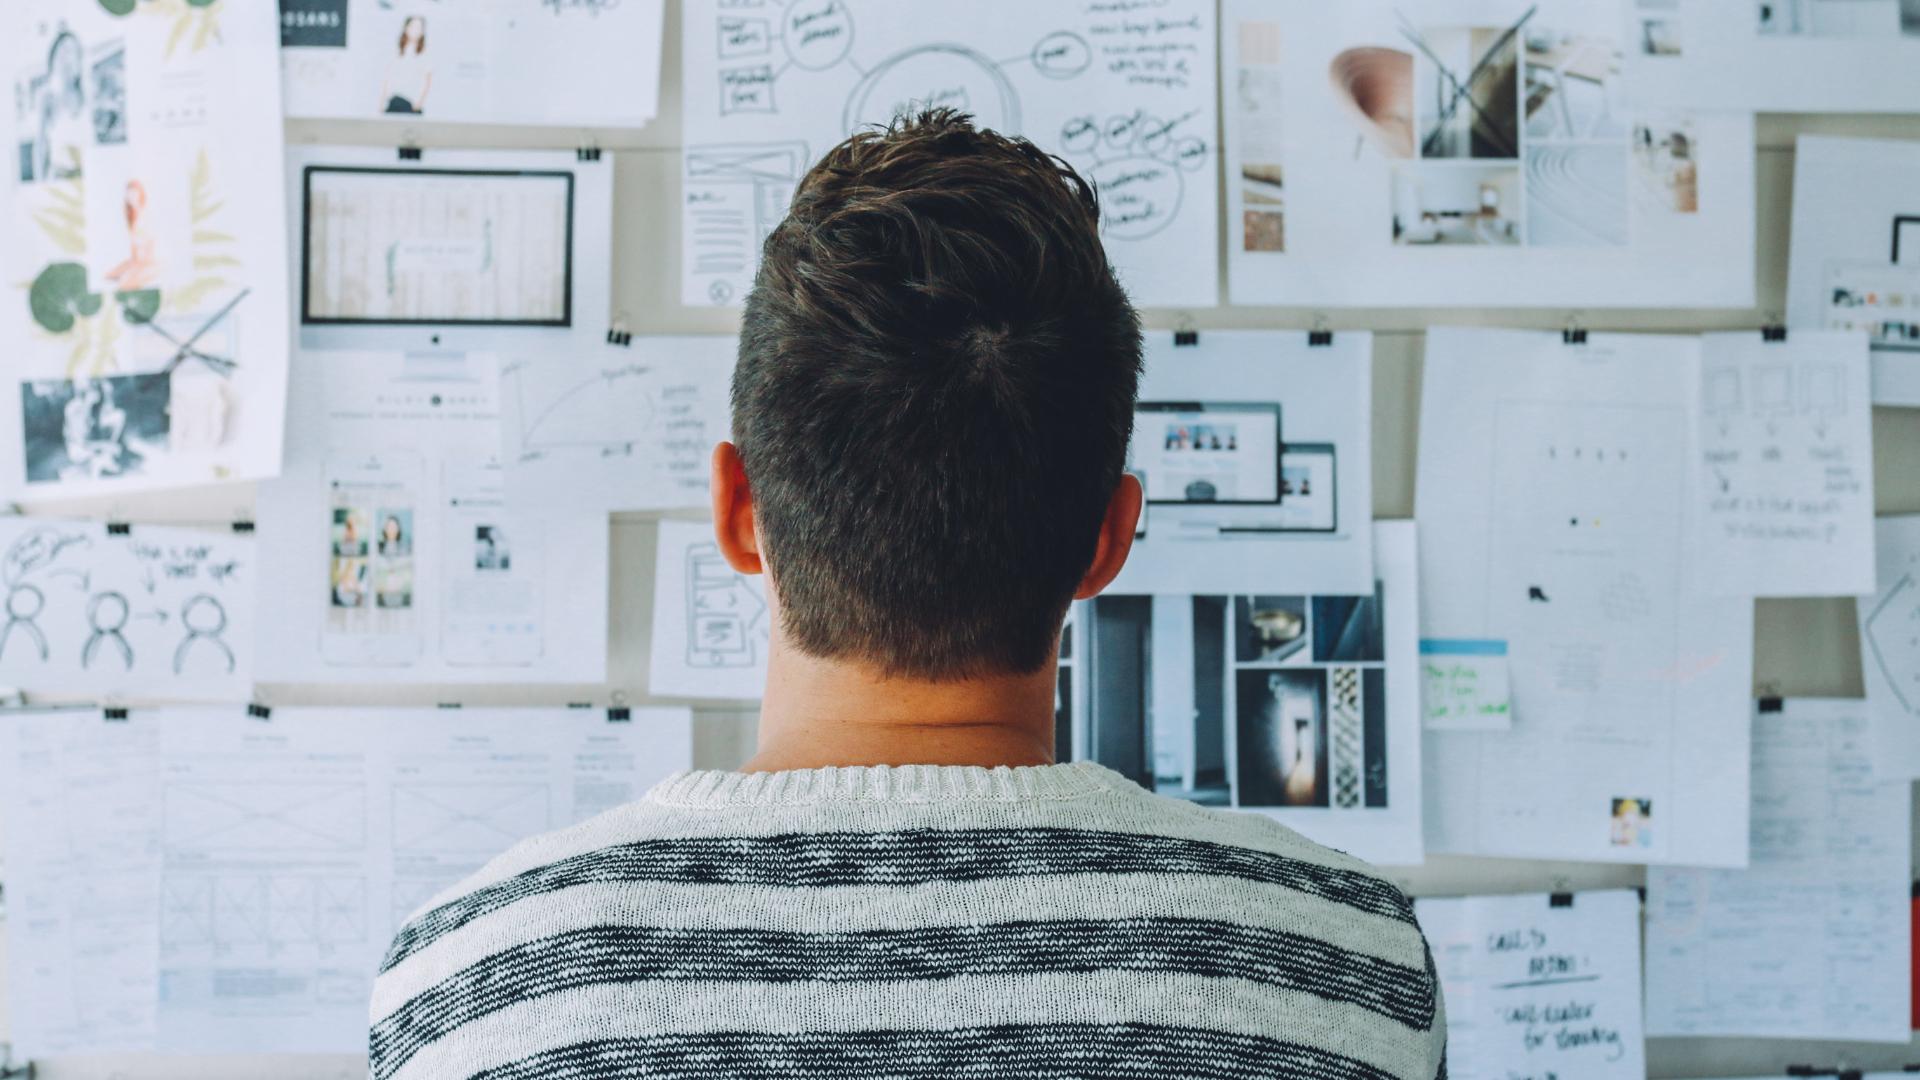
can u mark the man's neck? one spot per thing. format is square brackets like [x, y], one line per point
[818, 713]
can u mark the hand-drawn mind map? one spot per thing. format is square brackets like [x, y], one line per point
[1124, 93]
[150, 607]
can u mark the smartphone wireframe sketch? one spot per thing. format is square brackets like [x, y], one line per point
[491, 564]
[721, 611]
[372, 618]
[1309, 493]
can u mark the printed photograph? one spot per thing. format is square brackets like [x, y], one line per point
[1660, 35]
[1350, 629]
[1666, 177]
[1456, 203]
[351, 525]
[396, 531]
[1631, 823]
[1577, 195]
[348, 578]
[50, 113]
[109, 83]
[94, 429]
[1257, 115]
[1573, 83]
[1467, 80]
[490, 550]
[1374, 86]
[1268, 629]
[1156, 682]
[1282, 737]
[393, 584]
[409, 72]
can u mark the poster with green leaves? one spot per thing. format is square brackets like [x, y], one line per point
[143, 265]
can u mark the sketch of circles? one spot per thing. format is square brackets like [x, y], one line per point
[1577, 195]
[817, 33]
[1079, 135]
[1139, 195]
[1061, 55]
[935, 76]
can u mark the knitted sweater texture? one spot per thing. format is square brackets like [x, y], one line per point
[912, 923]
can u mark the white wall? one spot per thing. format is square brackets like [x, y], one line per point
[1803, 647]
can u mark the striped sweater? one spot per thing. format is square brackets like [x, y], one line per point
[912, 923]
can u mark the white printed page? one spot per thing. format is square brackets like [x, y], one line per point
[1852, 56]
[391, 552]
[1539, 989]
[83, 881]
[143, 289]
[1811, 940]
[1855, 261]
[1890, 648]
[1304, 709]
[1553, 503]
[1470, 153]
[581, 63]
[109, 612]
[1783, 484]
[1124, 92]
[711, 625]
[615, 428]
[1255, 449]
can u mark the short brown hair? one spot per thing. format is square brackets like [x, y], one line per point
[933, 398]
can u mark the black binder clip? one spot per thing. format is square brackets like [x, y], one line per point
[1560, 900]
[114, 713]
[259, 711]
[1574, 335]
[1319, 338]
[1773, 333]
[619, 714]
[409, 153]
[1184, 338]
[587, 153]
[119, 528]
[579, 704]
[1772, 703]
[243, 528]
[447, 705]
[619, 336]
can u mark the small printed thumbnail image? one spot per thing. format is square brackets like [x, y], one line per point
[1247, 701]
[1666, 172]
[1443, 203]
[1630, 822]
[1659, 26]
[94, 428]
[490, 550]
[1257, 116]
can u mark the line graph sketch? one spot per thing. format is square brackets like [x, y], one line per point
[216, 816]
[1127, 100]
[478, 819]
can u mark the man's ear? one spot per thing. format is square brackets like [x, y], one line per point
[1116, 537]
[733, 511]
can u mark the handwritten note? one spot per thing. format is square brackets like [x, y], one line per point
[1539, 990]
[108, 610]
[1783, 485]
[609, 428]
[1810, 941]
[1464, 685]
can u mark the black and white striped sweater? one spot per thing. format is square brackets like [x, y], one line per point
[910, 923]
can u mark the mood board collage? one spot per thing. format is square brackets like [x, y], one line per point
[407, 368]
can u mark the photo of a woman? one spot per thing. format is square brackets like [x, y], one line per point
[410, 75]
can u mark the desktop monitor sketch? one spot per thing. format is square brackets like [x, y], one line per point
[412, 246]
[1208, 452]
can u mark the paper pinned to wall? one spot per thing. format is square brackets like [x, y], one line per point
[582, 63]
[390, 552]
[1126, 95]
[1890, 648]
[1855, 252]
[1553, 503]
[1304, 709]
[1783, 483]
[1471, 152]
[103, 612]
[614, 428]
[1811, 940]
[1852, 56]
[1464, 685]
[1256, 452]
[143, 289]
[257, 868]
[1539, 988]
[711, 624]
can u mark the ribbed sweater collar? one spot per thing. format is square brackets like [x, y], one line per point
[886, 783]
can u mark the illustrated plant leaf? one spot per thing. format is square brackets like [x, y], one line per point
[208, 262]
[212, 236]
[118, 7]
[190, 296]
[140, 305]
[180, 25]
[201, 3]
[209, 27]
[59, 294]
[64, 234]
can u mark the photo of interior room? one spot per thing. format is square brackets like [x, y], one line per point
[1461, 203]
